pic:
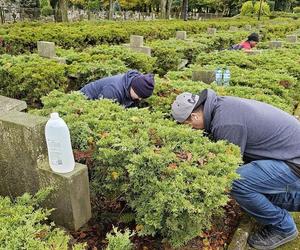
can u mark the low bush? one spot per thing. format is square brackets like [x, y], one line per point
[23, 225]
[173, 178]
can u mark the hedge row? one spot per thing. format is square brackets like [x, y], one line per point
[29, 77]
[22, 37]
[173, 179]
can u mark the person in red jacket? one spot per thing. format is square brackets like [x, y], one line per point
[247, 45]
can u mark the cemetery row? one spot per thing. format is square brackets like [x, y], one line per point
[116, 143]
[23, 37]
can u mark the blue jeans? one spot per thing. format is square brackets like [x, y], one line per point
[267, 190]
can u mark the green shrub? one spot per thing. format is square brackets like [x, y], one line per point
[265, 8]
[47, 11]
[118, 240]
[172, 177]
[296, 10]
[22, 225]
[247, 8]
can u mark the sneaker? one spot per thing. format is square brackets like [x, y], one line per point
[268, 238]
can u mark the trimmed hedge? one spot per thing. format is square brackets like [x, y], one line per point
[172, 177]
[22, 37]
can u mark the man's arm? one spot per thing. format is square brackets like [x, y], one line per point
[236, 134]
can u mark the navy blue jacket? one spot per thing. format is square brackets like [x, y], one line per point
[114, 87]
[261, 130]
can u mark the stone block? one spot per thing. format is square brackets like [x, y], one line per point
[233, 28]
[182, 64]
[71, 198]
[248, 27]
[181, 35]
[46, 49]
[211, 31]
[60, 60]
[8, 104]
[291, 38]
[206, 76]
[22, 150]
[275, 44]
[22, 144]
[145, 50]
[136, 41]
[239, 240]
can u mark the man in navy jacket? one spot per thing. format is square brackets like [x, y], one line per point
[269, 139]
[125, 89]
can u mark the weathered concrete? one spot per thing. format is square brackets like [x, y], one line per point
[60, 60]
[136, 41]
[46, 49]
[136, 44]
[71, 198]
[247, 225]
[248, 27]
[145, 50]
[211, 31]
[182, 64]
[239, 240]
[233, 28]
[181, 35]
[275, 44]
[22, 152]
[206, 76]
[291, 38]
[9, 104]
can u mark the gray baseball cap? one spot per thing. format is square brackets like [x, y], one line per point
[183, 106]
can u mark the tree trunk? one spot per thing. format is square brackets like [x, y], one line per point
[184, 12]
[110, 13]
[163, 4]
[169, 8]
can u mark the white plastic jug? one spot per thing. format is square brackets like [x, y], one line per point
[58, 140]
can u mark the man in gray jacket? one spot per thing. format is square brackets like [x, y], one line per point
[269, 139]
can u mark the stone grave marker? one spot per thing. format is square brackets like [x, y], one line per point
[211, 31]
[24, 167]
[181, 35]
[291, 38]
[206, 76]
[137, 44]
[275, 44]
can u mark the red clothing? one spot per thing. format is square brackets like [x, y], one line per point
[245, 45]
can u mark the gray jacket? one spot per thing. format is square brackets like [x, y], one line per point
[259, 129]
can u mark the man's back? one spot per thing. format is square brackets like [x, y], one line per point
[261, 130]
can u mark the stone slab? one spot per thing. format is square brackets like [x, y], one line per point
[22, 150]
[182, 64]
[248, 27]
[71, 198]
[233, 28]
[239, 239]
[21, 145]
[60, 60]
[211, 31]
[46, 49]
[206, 76]
[275, 44]
[247, 225]
[136, 41]
[8, 104]
[181, 35]
[145, 50]
[291, 38]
